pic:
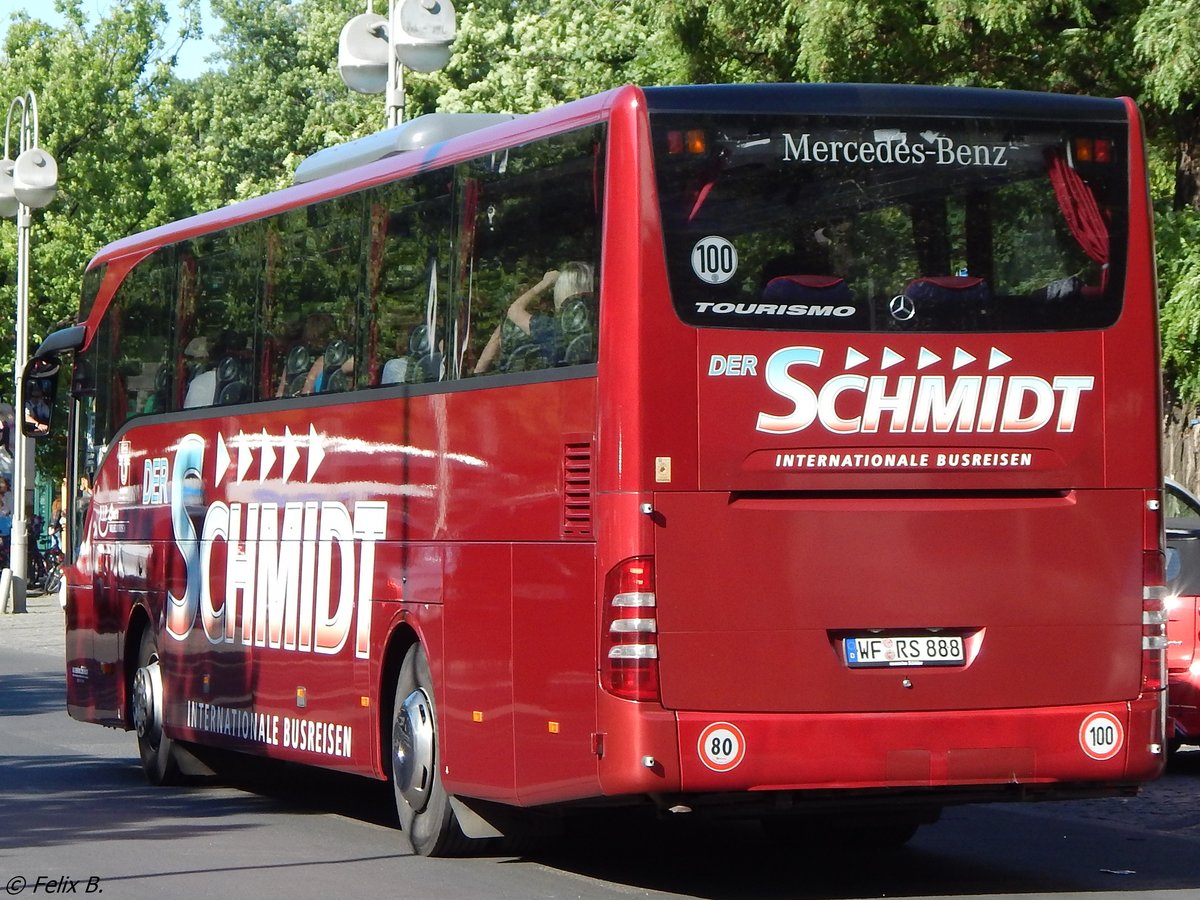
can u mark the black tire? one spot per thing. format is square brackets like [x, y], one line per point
[159, 761]
[421, 801]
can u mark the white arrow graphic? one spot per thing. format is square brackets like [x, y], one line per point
[291, 453]
[245, 455]
[223, 458]
[267, 460]
[316, 452]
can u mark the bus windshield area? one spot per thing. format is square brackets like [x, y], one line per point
[837, 223]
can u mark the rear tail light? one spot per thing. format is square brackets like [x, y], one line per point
[1154, 644]
[1154, 597]
[629, 646]
[1089, 150]
[693, 142]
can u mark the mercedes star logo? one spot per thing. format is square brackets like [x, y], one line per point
[902, 308]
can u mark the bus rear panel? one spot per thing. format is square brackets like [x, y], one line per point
[907, 539]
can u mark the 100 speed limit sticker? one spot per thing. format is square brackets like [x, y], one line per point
[714, 259]
[1101, 735]
[722, 746]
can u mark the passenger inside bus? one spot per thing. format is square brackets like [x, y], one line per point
[531, 338]
[202, 390]
[332, 371]
[304, 348]
[419, 364]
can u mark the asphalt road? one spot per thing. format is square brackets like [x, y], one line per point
[76, 817]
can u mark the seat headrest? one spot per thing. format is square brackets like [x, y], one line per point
[948, 287]
[820, 289]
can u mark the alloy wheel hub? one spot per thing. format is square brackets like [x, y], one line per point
[412, 743]
[147, 702]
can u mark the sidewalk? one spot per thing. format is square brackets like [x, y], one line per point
[41, 629]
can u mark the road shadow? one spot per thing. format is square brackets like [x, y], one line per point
[69, 799]
[302, 789]
[32, 693]
[972, 851]
[1032, 849]
[1013, 850]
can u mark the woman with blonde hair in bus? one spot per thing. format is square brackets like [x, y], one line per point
[539, 329]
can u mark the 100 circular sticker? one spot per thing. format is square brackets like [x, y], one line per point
[1101, 735]
[714, 259]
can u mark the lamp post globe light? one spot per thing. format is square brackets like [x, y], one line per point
[373, 50]
[27, 182]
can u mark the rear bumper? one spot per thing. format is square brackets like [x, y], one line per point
[1032, 748]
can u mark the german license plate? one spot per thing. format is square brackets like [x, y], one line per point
[879, 651]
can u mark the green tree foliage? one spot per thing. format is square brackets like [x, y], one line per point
[1178, 235]
[1167, 41]
[1037, 44]
[97, 88]
[276, 97]
[96, 92]
[521, 57]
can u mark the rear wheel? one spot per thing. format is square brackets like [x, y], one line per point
[159, 761]
[421, 801]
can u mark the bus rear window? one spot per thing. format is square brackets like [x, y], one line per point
[828, 223]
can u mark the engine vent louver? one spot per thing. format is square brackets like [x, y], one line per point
[578, 488]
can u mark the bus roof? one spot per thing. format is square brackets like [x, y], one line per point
[893, 99]
[417, 134]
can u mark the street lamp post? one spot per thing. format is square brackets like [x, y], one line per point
[27, 183]
[374, 50]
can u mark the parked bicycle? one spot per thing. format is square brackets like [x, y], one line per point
[45, 568]
[53, 574]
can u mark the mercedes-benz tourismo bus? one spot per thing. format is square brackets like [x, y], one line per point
[773, 451]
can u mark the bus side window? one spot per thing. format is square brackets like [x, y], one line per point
[408, 278]
[527, 299]
[220, 278]
[313, 286]
[137, 343]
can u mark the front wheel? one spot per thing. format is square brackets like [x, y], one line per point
[421, 801]
[159, 760]
[53, 579]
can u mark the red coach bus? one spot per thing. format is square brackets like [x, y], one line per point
[774, 451]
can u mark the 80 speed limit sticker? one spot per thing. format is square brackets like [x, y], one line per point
[1101, 735]
[722, 746]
